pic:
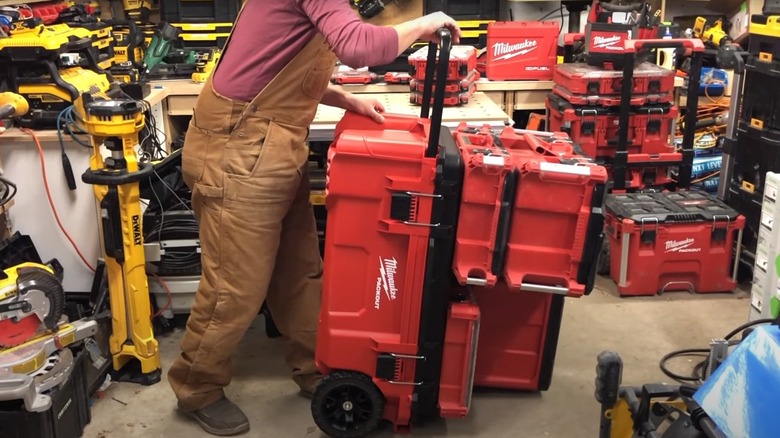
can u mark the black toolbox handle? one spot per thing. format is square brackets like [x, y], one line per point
[633, 48]
[441, 82]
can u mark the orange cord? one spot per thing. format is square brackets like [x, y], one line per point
[51, 201]
[167, 293]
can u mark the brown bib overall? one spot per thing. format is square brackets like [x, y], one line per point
[246, 166]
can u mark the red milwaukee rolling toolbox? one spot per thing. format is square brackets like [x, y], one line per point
[489, 185]
[584, 79]
[596, 129]
[556, 230]
[518, 338]
[463, 61]
[393, 194]
[672, 241]
[522, 50]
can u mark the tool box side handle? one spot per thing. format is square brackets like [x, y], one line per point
[441, 82]
[632, 7]
[636, 46]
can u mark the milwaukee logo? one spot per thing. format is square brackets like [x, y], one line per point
[681, 246]
[504, 51]
[608, 43]
[385, 282]
[137, 231]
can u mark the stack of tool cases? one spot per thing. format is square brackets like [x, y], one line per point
[461, 76]
[672, 241]
[756, 150]
[444, 228]
[626, 118]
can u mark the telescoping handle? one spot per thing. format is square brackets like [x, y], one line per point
[632, 48]
[440, 71]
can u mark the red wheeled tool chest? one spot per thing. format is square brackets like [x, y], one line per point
[489, 185]
[518, 338]
[387, 318]
[463, 60]
[672, 241]
[588, 80]
[596, 129]
[522, 50]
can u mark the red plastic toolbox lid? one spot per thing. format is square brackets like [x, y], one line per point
[670, 207]
[457, 54]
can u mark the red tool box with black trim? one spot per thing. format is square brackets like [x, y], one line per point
[518, 338]
[610, 101]
[387, 318]
[522, 50]
[554, 234]
[463, 60]
[605, 38]
[596, 128]
[489, 185]
[672, 241]
[450, 99]
[588, 80]
[451, 87]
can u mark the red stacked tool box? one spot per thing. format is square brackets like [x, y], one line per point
[672, 241]
[518, 338]
[554, 233]
[388, 319]
[522, 50]
[588, 80]
[461, 80]
[489, 185]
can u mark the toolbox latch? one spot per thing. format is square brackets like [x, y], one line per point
[654, 123]
[720, 229]
[648, 229]
[389, 367]
[404, 205]
[588, 127]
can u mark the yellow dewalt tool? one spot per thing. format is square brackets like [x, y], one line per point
[206, 65]
[115, 124]
[12, 105]
[713, 34]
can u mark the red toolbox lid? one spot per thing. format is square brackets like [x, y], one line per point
[670, 207]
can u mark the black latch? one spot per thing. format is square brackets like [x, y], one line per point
[648, 230]
[654, 126]
[385, 367]
[588, 128]
[401, 207]
[648, 236]
[654, 87]
[594, 88]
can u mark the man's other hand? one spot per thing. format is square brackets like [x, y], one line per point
[431, 23]
[368, 107]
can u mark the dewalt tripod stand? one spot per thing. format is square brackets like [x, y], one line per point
[115, 124]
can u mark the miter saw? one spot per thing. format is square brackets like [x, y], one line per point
[32, 301]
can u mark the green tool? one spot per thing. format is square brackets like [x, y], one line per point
[165, 36]
[774, 302]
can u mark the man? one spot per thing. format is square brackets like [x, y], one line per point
[245, 161]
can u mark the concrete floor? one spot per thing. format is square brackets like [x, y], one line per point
[640, 329]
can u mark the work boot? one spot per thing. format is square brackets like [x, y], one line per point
[221, 418]
[308, 384]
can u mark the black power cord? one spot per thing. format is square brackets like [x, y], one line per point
[699, 374]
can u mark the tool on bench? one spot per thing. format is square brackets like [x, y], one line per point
[115, 125]
[206, 65]
[12, 105]
[31, 300]
[162, 59]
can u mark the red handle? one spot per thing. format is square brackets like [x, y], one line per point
[692, 45]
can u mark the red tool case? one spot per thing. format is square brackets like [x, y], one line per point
[489, 185]
[452, 87]
[610, 101]
[596, 129]
[393, 194]
[605, 40]
[518, 338]
[522, 50]
[463, 60]
[672, 241]
[450, 99]
[588, 80]
[554, 234]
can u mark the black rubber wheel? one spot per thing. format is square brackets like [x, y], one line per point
[347, 405]
[604, 258]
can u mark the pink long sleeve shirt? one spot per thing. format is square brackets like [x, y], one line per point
[270, 33]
